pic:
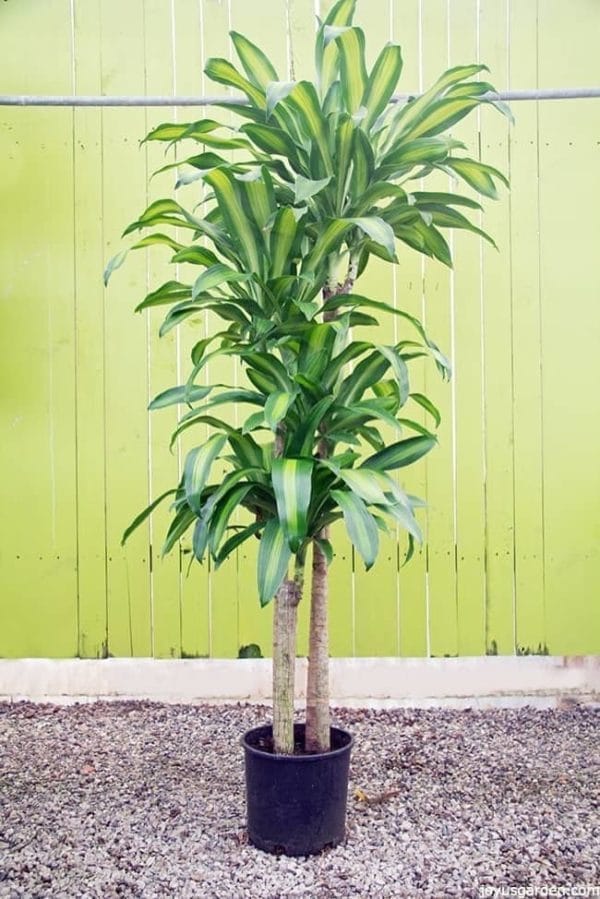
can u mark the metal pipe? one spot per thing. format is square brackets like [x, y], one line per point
[569, 93]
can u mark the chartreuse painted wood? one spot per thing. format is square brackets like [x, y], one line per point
[443, 637]
[530, 624]
[413, 627]
[38, 597]
[89, 360]
[466, 387]
[510, 563]
[570, 334]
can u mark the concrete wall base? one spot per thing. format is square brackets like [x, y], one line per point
[479, 682]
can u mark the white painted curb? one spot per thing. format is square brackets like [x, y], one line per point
[459, 682]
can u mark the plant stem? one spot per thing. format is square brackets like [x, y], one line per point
[285, 618]
[317, 738]
[318, 723]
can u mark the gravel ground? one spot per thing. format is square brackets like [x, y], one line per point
[143, 799]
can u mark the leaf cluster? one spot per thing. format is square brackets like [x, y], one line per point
[317, 179]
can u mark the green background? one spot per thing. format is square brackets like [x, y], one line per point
[511, 562]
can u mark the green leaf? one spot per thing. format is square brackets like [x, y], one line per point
[354, 80]
[222, 71]
[477, 175]
[276, 406]
[379, 231]
[282, 241]
[257, 66]
[364, 483]
[176, 395]
[405, 517]
[426, 404]
[179, 525]
[305, 188]
[114, 263]
[271, 367]
[382, 83]
[273, 558]
[328, 242]
[169, 292]
[139, 519]
[344, 145]
[195, 255]
[197, 469]
[292, 482]
[215, 275]
[246, 449]
[401, 454]
[222, 512]
[303, 438]
[442, 115]
[174, 131]
[272, 139]
[360, 524]
[235, 541]
[399, 368]
[243, 231]
[366, 373]
[327, 57]
[303, 102]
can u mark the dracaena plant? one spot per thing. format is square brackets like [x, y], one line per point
[323, 175]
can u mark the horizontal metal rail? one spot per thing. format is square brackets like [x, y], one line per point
[570, 93]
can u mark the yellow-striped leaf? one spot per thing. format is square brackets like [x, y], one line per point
[354, 80]
[477, 175]
[382, 83]
[273, 558]
[240, 227]
[276, 407]
[197, 469]
[222, 71]
[400, 454]
[360, 524]
[292, 483]
[257, 67]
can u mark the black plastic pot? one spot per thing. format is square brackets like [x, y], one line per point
[296, 803]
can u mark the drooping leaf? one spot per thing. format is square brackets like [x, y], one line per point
[360, 524]
[400, 454]
[139, 519]
[197, 469]
[273, 558]
[222, 71]
[216, 275]
[181, 394]
[477, 175]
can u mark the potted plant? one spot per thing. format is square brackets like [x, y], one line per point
[324, 176]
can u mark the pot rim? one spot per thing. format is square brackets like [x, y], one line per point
[309, 757]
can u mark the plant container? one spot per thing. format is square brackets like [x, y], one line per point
[296, 803]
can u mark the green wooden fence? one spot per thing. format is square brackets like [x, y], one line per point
[511, 562]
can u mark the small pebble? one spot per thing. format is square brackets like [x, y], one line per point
[139, 799]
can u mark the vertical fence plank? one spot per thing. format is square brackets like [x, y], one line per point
[413, 636]
[90, 322]
[124, 192]
[467, 375]
[569, 228]
[188, 79]
[375, 612]
[500, 635]
[526, 338]
[159, 48]
[38, 602]
[438, 320]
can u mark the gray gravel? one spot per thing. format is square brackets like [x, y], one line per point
[142, 799]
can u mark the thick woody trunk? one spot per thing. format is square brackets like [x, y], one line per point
[317, 683]
[285, 617]
[317, 738]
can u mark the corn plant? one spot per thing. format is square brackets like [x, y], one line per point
[323, 176]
